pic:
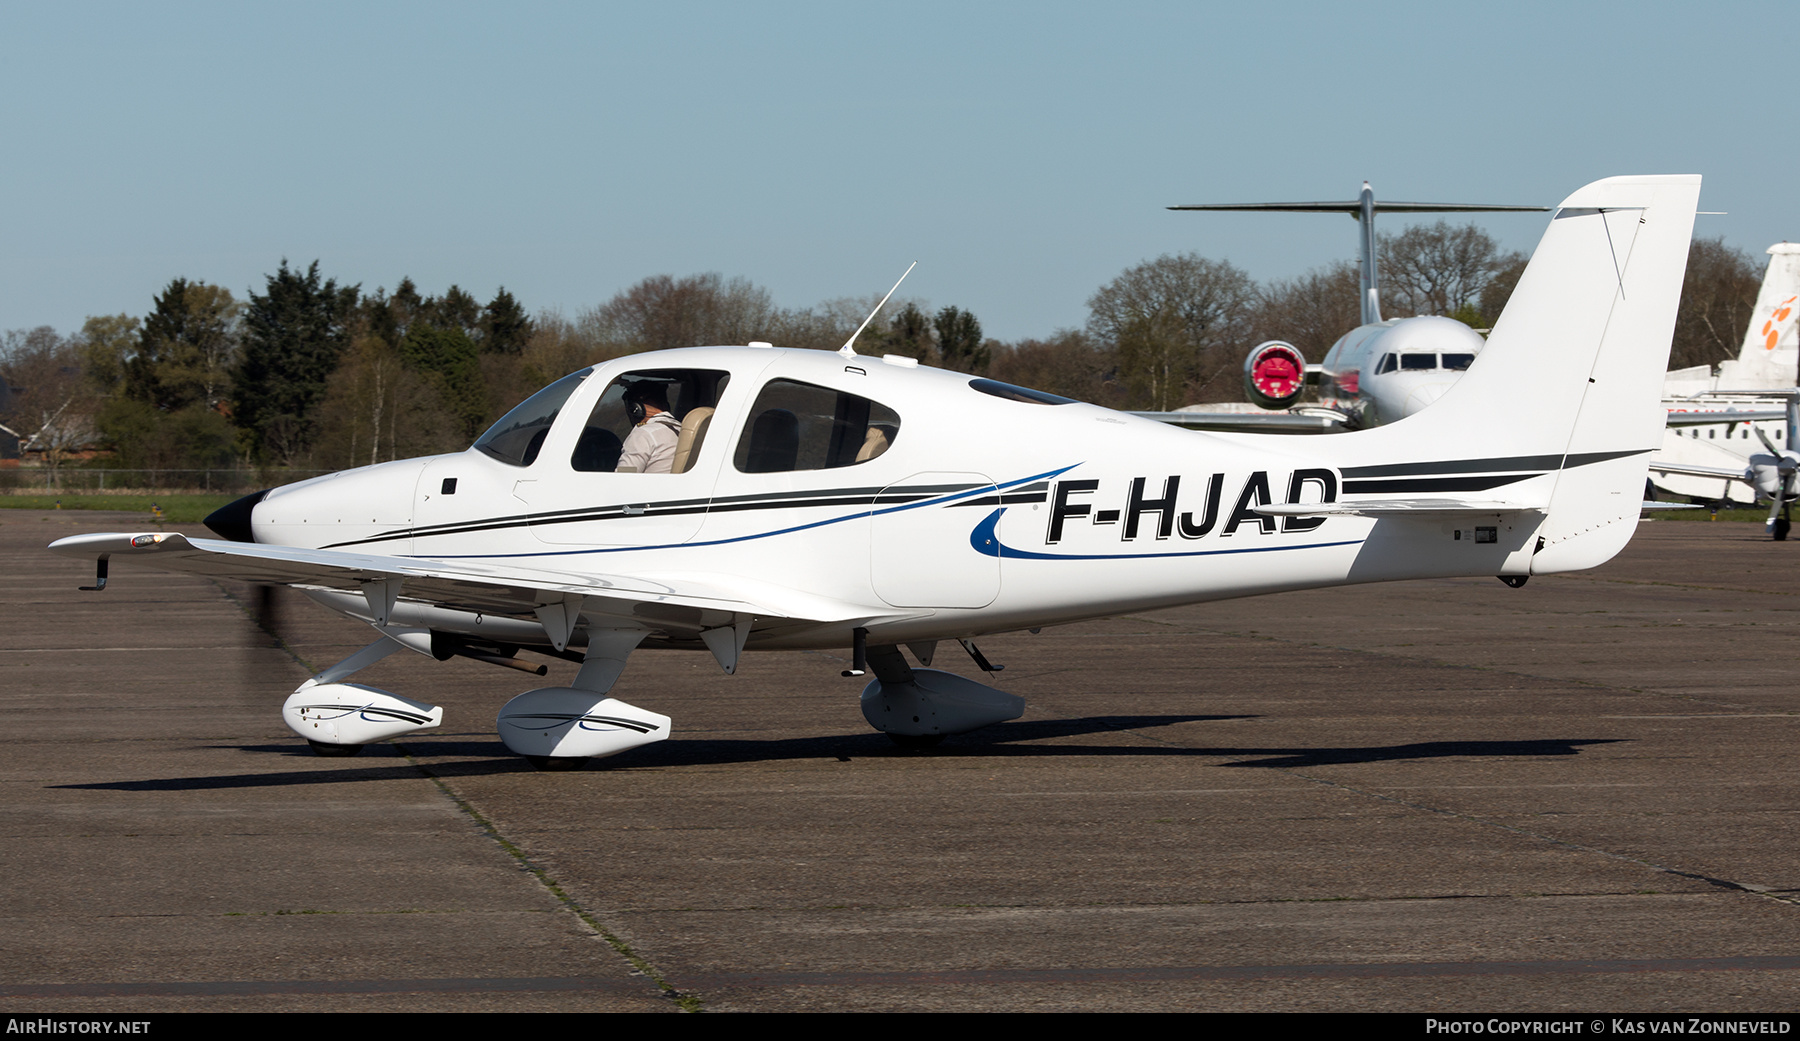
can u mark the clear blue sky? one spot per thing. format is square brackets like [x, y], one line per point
[1021, 153]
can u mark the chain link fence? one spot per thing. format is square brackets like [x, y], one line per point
[225, 481]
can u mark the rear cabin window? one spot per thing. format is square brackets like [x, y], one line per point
[1012, 393]
[654, 421]
[798, 426]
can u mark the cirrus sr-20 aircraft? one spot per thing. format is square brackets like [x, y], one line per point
[829, 500]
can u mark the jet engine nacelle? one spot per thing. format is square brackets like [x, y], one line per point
[570, 723]
[352, 714]
[936, 703]
[1275, 374]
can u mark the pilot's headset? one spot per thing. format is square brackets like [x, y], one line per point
[644, 392]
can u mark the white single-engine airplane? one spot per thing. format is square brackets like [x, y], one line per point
[821, 500]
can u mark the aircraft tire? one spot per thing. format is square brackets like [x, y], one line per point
[557, 763]
[1781, 529]
[330, 751]
[917, 742]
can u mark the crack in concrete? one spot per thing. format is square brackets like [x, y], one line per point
[641, 966]
[1723, 883]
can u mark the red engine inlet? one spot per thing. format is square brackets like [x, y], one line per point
[1275, 374]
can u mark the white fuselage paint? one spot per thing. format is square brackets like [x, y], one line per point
[1055, 512]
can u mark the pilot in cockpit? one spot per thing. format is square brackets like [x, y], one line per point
[650, 447]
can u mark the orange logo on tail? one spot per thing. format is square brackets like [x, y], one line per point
[1771, 330]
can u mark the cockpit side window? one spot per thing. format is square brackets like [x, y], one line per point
[654, 421]
[1387, 364]
[799, 426]
[516, 438]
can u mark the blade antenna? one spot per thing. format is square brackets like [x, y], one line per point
[848, 350]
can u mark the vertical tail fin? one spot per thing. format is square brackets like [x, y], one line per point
[1770, 358]
[1568, 390]
[1647, 224]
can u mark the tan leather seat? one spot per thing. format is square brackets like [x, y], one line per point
[693, 432]
[874, 443]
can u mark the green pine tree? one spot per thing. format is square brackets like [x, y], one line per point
[293, 335]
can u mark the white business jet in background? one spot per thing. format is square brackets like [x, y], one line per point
[1388, 369]
[829, 500]
[1381, 371]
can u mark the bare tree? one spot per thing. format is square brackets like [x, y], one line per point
[1716, 302]
[661, 312]
[559, 346]
[1068, 363]
[1499, 289]
[1438, 269]
[823, 328]
[1312, 311]
[1175, 325]
[49, 402]
[377, 408]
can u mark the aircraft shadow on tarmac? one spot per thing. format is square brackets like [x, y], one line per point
[452, 757]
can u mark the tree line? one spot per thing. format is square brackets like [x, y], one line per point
[311, 373]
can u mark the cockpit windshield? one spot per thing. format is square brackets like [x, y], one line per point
[516, 438]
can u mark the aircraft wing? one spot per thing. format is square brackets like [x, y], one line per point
[1395, 508]
[679, 605]
[1320, 422]
[1738, 474]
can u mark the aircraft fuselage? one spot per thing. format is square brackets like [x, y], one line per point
[985, 510]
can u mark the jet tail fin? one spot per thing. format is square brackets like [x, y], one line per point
[1771, 353]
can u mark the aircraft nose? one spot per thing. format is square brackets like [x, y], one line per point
[232, 521]
[1423, 395]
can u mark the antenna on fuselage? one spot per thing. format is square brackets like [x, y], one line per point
[848, 350]
[1363, 208]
